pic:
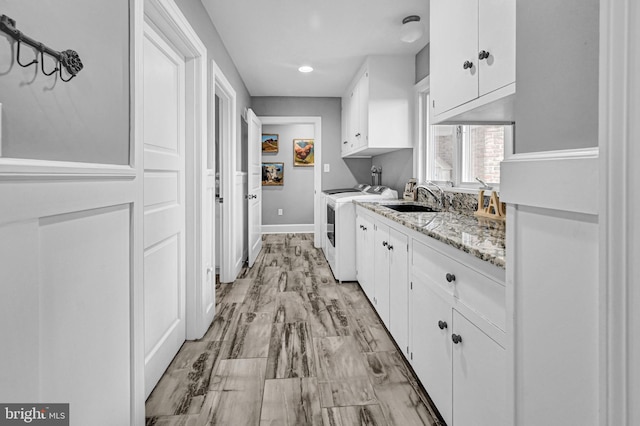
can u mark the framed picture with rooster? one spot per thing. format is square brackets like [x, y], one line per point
[303, 152]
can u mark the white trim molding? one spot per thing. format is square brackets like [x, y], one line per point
[619, 132]
[29, 169]
[422, 120]
[561, 180]
[228, 143]
[288, 229]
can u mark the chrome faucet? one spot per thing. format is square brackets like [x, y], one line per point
[484, 184]
[439, 199]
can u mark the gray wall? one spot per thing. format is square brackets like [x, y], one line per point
[422, 63]
[295, 197]
[343, 173]
[199, 19]
[397, 168]
[556, 74]
[86, 119]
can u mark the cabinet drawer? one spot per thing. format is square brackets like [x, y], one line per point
[478, 292]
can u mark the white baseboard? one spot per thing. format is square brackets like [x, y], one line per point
[288, 229]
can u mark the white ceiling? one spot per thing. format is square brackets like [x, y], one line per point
[269, 39]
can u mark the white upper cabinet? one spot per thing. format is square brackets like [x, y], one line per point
[472, 60]
[378, 107]
[496, 44]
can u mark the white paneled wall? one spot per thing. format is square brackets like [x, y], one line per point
[553, 311]
[66, 240]
[84, 289]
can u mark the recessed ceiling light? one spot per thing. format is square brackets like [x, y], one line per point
[305, 68]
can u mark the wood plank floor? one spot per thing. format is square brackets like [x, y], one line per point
[290, 346]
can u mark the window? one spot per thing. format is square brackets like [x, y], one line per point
[482, 152]
[459, 153]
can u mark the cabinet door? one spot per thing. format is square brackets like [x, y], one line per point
[399, 288]
[496, 36]
[454, 40]
[354, 118]
[363, 110]
[431, 345]
[344, 143]
[479, 376]
[381, 271]
[364, 255]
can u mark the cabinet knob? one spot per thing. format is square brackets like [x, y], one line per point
[442, 325]
[456, 338]
[389, 247]
[357, 135]
[450, 277]
[364, 228]
[483, 54]
[384, 243]
[467, 65]
[345, 142]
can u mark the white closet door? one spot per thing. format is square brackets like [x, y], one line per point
[164, 204]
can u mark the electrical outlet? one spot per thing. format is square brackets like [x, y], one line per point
[279, 212]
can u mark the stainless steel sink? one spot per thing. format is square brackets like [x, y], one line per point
[411, 208]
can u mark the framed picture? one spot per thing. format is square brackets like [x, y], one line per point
[303, 152]
[272, 174]
[269, 143]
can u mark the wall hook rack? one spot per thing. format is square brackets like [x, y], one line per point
[68, 59]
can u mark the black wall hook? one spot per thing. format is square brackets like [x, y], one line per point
[42, 65]
[35, 61]
[69, 59]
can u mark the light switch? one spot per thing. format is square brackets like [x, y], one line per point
[279, 212]
[327, 168]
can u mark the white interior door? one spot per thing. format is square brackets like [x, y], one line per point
[164, 204]
[209, 235]
[254, 195]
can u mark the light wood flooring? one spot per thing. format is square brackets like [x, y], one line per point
[290, 346]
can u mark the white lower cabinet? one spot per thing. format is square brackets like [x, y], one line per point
[391, 280]
[456, 349]
[431, 345]
[382, 269]
[461, 367]
[449, 318]
[364, 254]
[479, 376]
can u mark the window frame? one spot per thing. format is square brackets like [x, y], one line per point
[423, 121]
[425, 150]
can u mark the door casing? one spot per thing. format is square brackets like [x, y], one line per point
[317, 167]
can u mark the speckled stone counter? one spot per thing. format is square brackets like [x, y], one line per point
[482, 238]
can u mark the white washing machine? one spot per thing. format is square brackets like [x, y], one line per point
[340, 234]
[356, 190]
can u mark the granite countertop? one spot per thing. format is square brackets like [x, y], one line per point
[483, 238]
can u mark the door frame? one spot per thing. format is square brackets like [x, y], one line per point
[168, 20]
[316, 121]
[229, 139]
[618, 202]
